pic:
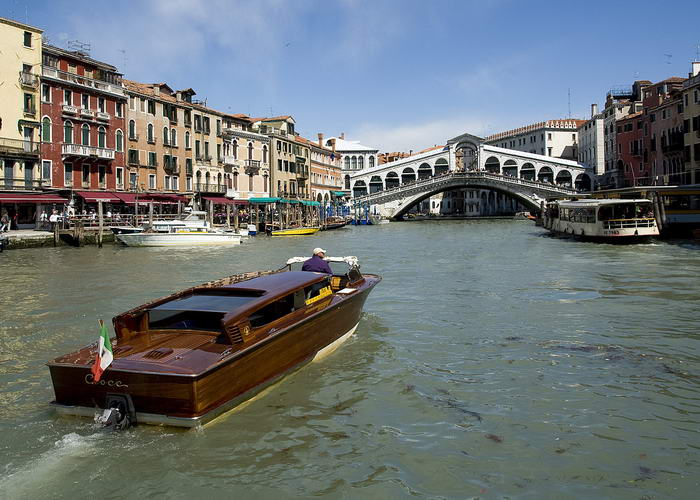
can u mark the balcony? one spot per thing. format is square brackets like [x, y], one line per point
[19, 147]
[203, 159]
[87, 113]
[203, 187]
[102, 116]
[88, 151]
[27, 79]
[172, 169]
[30, 111]
[230, 160]
[151, 140]
[188, 123]
[55, 74]
[69, 110]
[133, 137]
[12, 183]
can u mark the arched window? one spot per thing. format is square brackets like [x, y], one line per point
[250, 182]
[46, 129]
[68, 132]
[347, 163]
[264, 158]
[354, 162]
[187, 140]
[150, 132]
[250, 150]
[86, 134]
[235, 149]
[101, 137]
[119, 141]
[371, 162]
[173, 137]
[132, 129]
[166, 136]
[361, 162]
[235, 181]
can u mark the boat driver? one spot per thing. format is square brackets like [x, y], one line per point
[316, 263]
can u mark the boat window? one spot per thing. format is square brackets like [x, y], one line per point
[272, 311]
[163, 319]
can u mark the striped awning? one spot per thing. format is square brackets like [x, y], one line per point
[31, 198]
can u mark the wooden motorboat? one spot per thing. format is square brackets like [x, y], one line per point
[295, 231]
[186, 358]
[331, 223]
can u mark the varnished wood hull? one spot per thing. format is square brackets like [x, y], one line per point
[189, 400]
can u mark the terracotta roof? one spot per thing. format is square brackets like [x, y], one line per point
[272, 119]
[304, 140]
[428, 149]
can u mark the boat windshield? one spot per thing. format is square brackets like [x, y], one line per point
[618, 211]
[194, 312]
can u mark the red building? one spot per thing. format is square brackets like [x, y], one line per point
[630, 149]
[83, 106]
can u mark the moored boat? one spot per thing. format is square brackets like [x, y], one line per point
[612, 220]
[179, 237]
[295, 231]
[186, 358]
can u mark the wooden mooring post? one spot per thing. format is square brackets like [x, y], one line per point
[101, 223]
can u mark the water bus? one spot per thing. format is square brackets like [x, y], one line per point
[602, 220]
[185, 359]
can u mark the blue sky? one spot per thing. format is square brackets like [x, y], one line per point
[397, 75]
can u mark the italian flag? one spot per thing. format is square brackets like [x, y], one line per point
[104, 353]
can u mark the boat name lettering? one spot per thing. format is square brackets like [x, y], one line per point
[90, 380]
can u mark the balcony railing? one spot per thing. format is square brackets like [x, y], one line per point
[133, 137]
[209, 188]
[11, 183]
[70, 110]
[203, 159]
[28, 79]
[229, 160]
[172, 169]
[112, 88]
[87, 113]
[19, 146]
[151, 140]
[102, 116]
[88, 151]
[30, 111]
[252, 164]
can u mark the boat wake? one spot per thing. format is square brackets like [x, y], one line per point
[67, 452]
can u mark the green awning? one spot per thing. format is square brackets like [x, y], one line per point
[264, 200]
[312, 203]
[339, 193]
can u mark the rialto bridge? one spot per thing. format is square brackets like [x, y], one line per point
[513, 173]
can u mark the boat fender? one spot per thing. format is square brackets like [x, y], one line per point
[119, 413]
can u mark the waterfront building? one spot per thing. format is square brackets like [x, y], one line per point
[83, 110]
[325, 173]
[245, 158]
[289, 170]
[159, 143]
[557, 138]
[591, 146]
[619, 102]
[691, 113]
[664, 132]
[354, 157]
[20, 68]
[639, 137]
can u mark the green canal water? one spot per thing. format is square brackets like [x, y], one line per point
[492, 361]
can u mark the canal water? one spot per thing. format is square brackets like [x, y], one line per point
[492, 361]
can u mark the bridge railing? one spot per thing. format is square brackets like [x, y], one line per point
[468, 174]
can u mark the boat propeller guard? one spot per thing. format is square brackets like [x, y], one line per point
[119, 413]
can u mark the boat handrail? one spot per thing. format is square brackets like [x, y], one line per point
[350, 260]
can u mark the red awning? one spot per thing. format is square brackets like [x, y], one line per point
[128, 197]
[31, 198]
[220, 200]
[167, 198]
[95, 196]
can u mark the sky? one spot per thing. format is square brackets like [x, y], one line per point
[398, 75]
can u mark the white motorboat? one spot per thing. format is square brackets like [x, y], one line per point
[179, 237]
[195, 219]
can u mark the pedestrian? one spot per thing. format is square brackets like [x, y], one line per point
[316, 263]
[4, 222]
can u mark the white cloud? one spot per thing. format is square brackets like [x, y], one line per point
[416, 136]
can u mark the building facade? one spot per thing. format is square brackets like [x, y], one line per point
[591, 147]
[245, 157]
[691, 111]
[325, 173]
[354, 157]
[557, 138]
[83, 110]
[20, 70]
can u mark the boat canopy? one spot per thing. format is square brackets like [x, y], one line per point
[350, 260]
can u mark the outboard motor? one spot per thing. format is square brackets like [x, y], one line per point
[119, 413]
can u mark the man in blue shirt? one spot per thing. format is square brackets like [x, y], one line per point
[316, 263]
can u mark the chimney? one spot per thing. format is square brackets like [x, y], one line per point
[333, 144]
[342, 136]
[594, 110]
[156, 89]
[178, 96]
[695, 68]
[320, 139]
